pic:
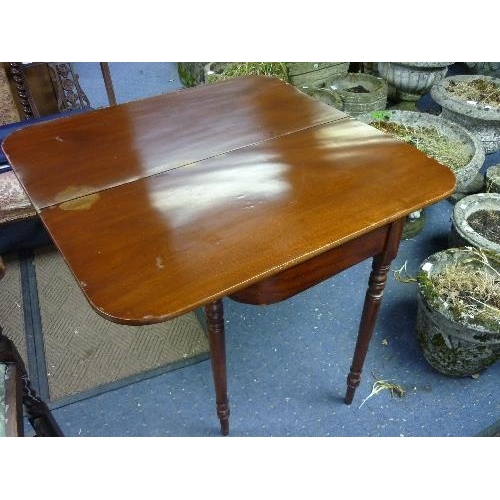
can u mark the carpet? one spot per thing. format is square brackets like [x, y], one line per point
[8, 109]
[70, 351]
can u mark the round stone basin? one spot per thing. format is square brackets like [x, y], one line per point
[462, 233]
[482, 119]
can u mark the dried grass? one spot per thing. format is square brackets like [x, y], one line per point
[381, 385]
[232, 70]
[471, 289]
[480, 91]
[452, 153]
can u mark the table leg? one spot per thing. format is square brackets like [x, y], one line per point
[215, 321]
[378, 277]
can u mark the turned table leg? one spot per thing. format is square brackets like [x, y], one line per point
[378, 277]
[215, 321]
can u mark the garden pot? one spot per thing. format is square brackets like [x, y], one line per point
[476, 185]
[414, 223]
[482, 119]
[470, 144]
[213, 70]
[410, 80]
[451, 344]
[324, 94]
[492, 179]
[484, 68]
[308, 75]
[360, 93]
[191, 74]
[470, 227]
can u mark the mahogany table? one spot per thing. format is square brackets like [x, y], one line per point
[247, 189]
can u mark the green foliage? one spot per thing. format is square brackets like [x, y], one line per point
[381, 115]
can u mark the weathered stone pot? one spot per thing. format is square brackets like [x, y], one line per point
[324, 94]
[410, 80]
[308, 75]
[462, 233]
[191, 74]
[465, 174]
[212, 69]
[481, 120]
[492, 179]
[484, 68]
[454, 347]
[360, 93]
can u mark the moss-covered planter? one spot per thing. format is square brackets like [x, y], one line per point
[360, 93]
[466, 173]
[410, 80]
[324, 94]
[492, 179]
[481, 119]
[484, 68]
[308, 75]
[452, 344]
[217, 71]
[191, 73]
[462, 233]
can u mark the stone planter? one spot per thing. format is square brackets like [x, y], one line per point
[462, 233]
[191, 73]
[359, 93]
[212, 69]
[457, 347]
[308, 75]
[410, 80]
[451, 130]
[492, 179]
[484, 68]
[324, 94]
[481, 120]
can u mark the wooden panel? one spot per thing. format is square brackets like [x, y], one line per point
[97, 150]
[313, 271]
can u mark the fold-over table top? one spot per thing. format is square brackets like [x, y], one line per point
[164, 204]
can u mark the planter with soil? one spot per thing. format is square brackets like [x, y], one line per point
[410, 80]
[476, 222]
[472, 101]
[458, 318]
[217, 71]
[448, 143]
[360, 93]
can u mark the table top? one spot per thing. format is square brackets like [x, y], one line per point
[165, 204]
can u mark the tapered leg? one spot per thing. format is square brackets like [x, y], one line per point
[378, 278]
[215, 320]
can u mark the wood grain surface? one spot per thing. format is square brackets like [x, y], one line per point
[169, 203]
